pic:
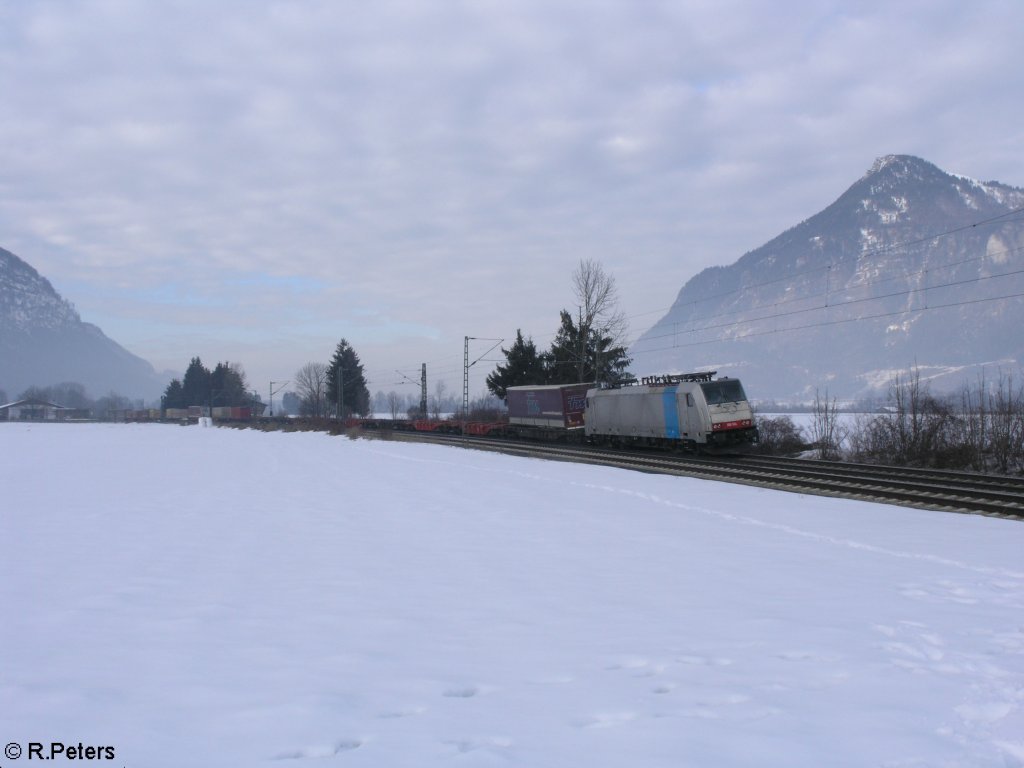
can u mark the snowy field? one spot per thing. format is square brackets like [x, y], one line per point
[212, 597]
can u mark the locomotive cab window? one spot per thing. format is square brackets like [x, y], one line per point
[728, 391]
[689, 399]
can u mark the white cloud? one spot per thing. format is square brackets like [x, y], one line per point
[448, 165]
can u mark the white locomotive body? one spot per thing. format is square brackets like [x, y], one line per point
[692, 410]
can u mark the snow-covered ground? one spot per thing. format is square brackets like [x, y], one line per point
[212, 597]
[805, 420]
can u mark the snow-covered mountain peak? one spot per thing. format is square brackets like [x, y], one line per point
[43, 340]
[27, 300]
[881, 163]
[876, 280]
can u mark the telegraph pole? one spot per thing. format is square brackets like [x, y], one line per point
[465, 371]
[272, 391]
[423, 388]
[465, 382]
[423, 391]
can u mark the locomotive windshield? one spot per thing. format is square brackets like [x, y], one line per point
[723, 391]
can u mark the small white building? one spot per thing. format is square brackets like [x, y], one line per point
[32, 409]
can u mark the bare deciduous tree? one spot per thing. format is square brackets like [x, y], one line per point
[395, 403]
[598, 299]
[983, 429]
[975, 422]
[1006, 410]
[311, 387]
[438, 400]
[826, 431]
[779, 435]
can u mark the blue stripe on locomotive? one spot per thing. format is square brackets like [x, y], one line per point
[671, 409]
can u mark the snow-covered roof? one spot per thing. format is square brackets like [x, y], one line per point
[32, 401]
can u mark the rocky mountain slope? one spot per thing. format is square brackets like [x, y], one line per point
[911, 265]
[43, 341]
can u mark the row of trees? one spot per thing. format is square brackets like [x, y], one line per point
[405, 405]
[73, 395]
[320, 387]
[980, 428]
[225, 385]
[589, 347]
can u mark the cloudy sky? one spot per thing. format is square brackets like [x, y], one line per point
[252, 180]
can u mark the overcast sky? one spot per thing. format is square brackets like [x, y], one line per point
[251, 181]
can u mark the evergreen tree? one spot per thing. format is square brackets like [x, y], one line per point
[585, 357]
[196, 384]
[356, 395]
[174, 395]
[227, 386]
[523, 365]
[612, 360]
[566, 353]
[224, 386]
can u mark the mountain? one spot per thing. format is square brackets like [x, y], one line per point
[43, 341]
[910, 266]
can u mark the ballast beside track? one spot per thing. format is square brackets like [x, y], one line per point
[992, 495]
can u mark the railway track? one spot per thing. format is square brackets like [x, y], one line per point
[993, 495]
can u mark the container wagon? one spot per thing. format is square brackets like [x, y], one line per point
[549, 412]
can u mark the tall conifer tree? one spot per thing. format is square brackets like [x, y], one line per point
[227, 385]
[523, 365]
[174, 395]
[196, 384]
[585, 357]
[356, 395]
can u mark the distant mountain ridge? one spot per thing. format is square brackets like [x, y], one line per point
[43, 341]
[906, 267]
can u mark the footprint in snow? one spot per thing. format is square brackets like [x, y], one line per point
[911, 646]
[465, 692]
[704, 661]
[399, 713]
[606, 720]
[343, 745]
[497, 745]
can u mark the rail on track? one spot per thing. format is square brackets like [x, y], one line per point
[964, 492]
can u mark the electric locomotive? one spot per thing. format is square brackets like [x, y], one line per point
[691, 410]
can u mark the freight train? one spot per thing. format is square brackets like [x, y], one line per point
[690, 411]
[693, 411]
